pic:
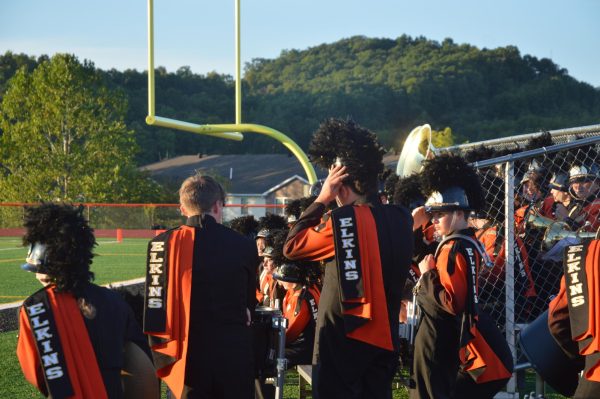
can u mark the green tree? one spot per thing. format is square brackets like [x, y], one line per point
[64, 138]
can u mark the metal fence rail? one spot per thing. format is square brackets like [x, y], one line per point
[526, 226]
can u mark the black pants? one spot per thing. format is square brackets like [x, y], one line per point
[436, 360]
[375, 382]
[220, 365]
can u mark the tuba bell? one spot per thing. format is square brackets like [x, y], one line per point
[414, 152]
[536, 220]
[559, 231]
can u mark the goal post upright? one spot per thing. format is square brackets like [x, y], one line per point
[226, 131]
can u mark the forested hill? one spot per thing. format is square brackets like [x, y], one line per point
[387, 85]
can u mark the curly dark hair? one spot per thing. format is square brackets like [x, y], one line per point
[299, 205]
[543, 140]
[305, 202]
[312, 272]
[408, 192]
[480, 153]
[276, 240]
[447, 170]
[272, 222]
[356, 147]
[245, 225]
[388, 180]
[292, 208]
[69, 240]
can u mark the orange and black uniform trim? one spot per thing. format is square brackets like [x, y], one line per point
[574, 314]
[357, 327]
[464, 338]
[200, 283]
[167, 307]
[361, 280]
[54, 347]
[300, 308]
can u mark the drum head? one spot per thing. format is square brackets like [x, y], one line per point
[138, 375]
[547, 358]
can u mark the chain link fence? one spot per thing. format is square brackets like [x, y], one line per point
[132, 216]
[538, 202]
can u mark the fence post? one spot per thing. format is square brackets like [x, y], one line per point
[509, 237]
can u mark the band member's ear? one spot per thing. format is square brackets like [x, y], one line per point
[182, 210]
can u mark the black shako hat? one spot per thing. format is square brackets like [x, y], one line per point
[560, 182]
[289, 272]
[449, 184]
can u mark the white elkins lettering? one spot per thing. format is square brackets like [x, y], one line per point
[313, 308]
[54, 372]
[50, 360]
[345, 233]
[348, 243]
[155, 271]
[350, 272]
[41, 331]
[154, 258]
[346, 222]
[36, 309]
[574, 284]
[349, 264]
[36, 323]
[473, 266]
[575, 289]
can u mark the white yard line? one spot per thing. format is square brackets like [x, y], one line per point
[115, 284]
[13, 249]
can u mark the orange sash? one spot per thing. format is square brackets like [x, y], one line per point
[167, 304]
[364, 303]
[54, 348]
[582, 278]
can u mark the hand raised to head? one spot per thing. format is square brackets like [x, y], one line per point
[332, 184]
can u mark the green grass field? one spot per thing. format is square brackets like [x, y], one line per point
[18, 387]
[113, 262]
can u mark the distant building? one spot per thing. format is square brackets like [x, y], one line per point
[249, 179]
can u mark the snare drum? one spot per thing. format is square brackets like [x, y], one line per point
[265, 341]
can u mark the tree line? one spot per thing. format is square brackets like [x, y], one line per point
[387, 85]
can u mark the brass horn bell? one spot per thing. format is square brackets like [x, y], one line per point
[559, 231]
[417, 148]
[538, 221]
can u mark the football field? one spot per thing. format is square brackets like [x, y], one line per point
[113, 262]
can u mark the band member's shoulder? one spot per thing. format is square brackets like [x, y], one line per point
[321, 226]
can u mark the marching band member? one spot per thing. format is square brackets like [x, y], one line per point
[459, 351]
[573, 313]
[200, 292]
[72, 333]
[300, 308]
[365, 246]
[556, 205]
[584, 186]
